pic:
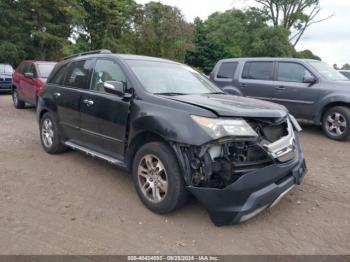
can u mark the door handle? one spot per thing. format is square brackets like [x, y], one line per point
[280, 87]
[88, 102]
[243, 85]
[57, 95]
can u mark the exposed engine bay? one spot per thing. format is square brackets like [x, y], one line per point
[220, 163]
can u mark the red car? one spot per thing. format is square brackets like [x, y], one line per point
[28, 81]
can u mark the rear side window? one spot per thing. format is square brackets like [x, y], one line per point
[58, 75]
[23, 67]
[227, 70]
[258, 70]
[78, 74]
[292, 72]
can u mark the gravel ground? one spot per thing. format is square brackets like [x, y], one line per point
[74, 204]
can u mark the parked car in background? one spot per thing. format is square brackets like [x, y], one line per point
[28, 81]
[6, 72]
[175, 131]
[346, 73]
[310, 89]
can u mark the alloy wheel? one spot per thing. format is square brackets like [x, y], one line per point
[152, 178]
[336, 124]
[15, 97]
[47, 132]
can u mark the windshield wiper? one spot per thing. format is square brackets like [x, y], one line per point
[170, 94]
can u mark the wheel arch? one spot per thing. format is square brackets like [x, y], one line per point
[138, 141]
[329, 106]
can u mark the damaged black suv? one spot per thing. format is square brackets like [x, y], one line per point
[175, 131]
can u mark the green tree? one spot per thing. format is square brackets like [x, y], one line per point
[307, 54]
[162, 31]
[236, 33]
[106, 24]
[204, 53]
[293, 15]
[346, 67]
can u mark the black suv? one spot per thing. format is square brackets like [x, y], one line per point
[175, 131]
[309, 89]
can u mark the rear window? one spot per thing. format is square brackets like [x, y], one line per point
[45, 69]
[58, 74]
[227, 70]
[258, 70]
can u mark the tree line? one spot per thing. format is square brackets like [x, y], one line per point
[52, 29]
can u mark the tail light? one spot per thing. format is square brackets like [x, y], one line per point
[39, 86]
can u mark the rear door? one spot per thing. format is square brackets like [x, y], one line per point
[224, 77]
[31, 84]
[104, 116]
[291, 91]
[67, 96]
[257, 79]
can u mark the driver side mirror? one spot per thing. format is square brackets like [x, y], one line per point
[29, 75]
[114, 87]
[309, 80]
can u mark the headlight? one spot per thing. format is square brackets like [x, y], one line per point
[217, 127]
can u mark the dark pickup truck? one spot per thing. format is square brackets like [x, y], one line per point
[310, 89]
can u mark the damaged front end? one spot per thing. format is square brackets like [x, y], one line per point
[237, 177]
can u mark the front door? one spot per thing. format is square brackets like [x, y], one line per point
[28, 84]
[291, 91]
[104, 116]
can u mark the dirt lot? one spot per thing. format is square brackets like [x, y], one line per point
[74, 204]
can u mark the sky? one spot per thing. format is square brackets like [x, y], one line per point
[329, 39]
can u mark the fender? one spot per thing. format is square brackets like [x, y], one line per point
[231, 90]
[342, 98]
[175, 125]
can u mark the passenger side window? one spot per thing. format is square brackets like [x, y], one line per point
[58, 76]
[31, 69]
[78, 74]
[106, 70]
[227, 70]
[292, 72]
[258, 70]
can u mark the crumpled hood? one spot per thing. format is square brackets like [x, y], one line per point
[237, 106]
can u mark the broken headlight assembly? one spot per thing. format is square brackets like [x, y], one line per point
[220, 127]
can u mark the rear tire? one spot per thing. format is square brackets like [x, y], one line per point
[17, 102]
[50, 136]
[336, 123]
[158, 179]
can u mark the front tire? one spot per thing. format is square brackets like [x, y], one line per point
[50, 136]
[17, 102]
[336, 123]
[158, 179]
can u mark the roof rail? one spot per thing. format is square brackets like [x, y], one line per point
[101, 51]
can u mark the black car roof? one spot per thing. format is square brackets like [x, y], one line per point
[120, 56]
